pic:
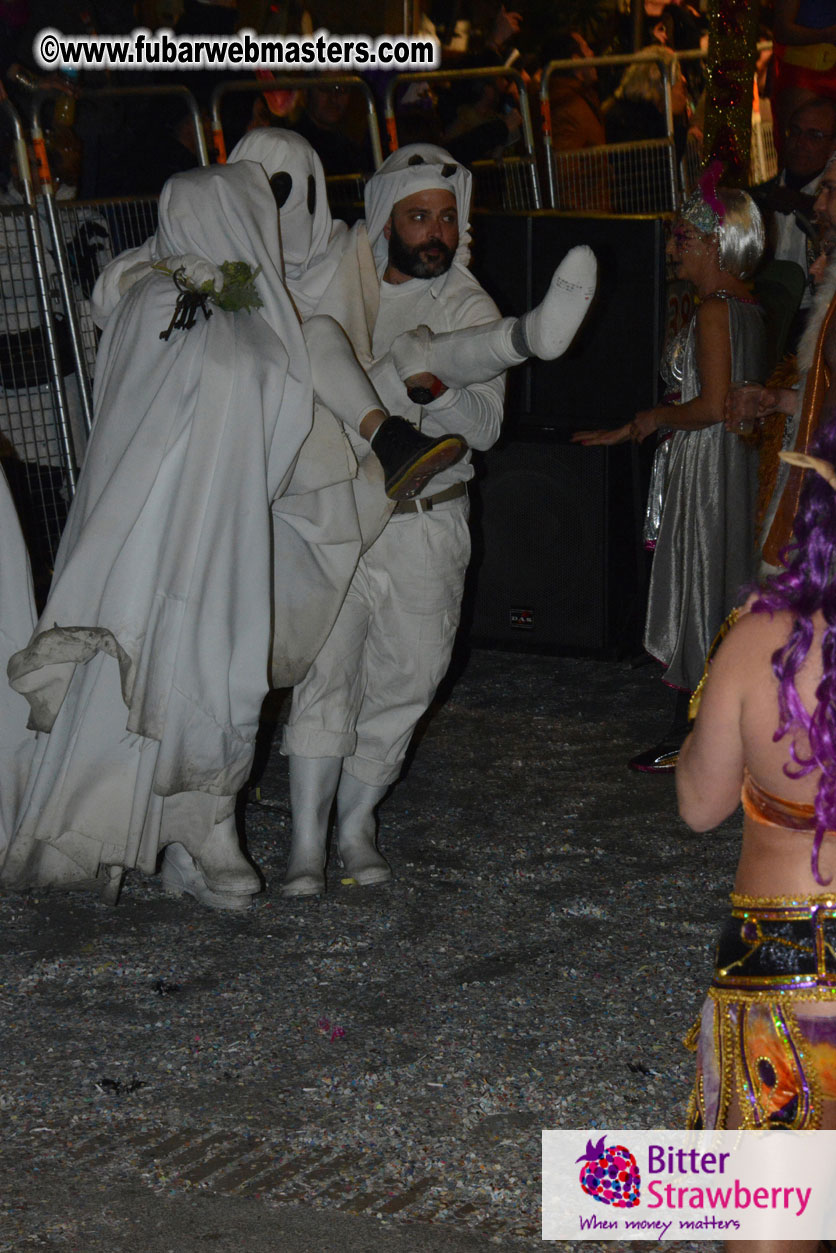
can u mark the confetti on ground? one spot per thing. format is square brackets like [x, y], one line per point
[391, 1051]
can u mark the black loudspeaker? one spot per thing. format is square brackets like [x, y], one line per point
[555, 555]
[611, 369]
[558, 563]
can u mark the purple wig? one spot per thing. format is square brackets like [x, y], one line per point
[806, 585]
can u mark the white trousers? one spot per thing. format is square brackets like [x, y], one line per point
[389, 648]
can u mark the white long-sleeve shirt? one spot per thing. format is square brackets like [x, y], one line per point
[452, 302]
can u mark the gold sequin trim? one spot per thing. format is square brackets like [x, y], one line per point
[767, 994]
[805, 903]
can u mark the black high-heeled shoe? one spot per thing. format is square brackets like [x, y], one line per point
[661, 759]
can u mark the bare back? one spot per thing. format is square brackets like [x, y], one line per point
[734, 732]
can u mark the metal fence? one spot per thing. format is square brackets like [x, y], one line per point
[643, 176]
[621, 178]
[345, 191]
[635, 177]
[92, 233]
[37, 389]
[509, 181]
[764, 163]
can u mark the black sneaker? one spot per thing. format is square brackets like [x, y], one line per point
[410, 459]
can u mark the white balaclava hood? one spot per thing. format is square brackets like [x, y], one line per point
[312, 242]
[417, 167]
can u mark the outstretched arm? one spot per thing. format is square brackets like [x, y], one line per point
[477, 354]
[709, 772]
[117, 278]
[706, 409]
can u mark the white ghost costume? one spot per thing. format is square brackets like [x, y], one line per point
[313, 243]
[313, 248]
[148, 668]
[335, 502]
[17, 620]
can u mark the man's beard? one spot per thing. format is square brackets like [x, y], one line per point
[411, 261]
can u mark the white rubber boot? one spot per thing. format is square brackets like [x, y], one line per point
[180, 874]
[313, 784]
[549, 329]
[475, 355]
[356, 831]
[223, 865]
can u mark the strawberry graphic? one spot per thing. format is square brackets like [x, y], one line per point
[610, 1175]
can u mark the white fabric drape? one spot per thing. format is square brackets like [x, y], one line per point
[17, 619]
[150, 662]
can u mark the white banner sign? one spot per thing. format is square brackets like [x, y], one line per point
[689, 1185]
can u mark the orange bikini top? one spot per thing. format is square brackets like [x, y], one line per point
[774, 811]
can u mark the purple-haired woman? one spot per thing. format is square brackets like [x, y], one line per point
[766, 731]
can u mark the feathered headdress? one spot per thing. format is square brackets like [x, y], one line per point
[704, 209]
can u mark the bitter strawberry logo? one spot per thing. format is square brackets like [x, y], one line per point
[610, 1175]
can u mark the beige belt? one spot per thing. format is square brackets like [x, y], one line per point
[422, 503]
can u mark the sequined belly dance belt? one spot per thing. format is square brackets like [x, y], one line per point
[778, 945]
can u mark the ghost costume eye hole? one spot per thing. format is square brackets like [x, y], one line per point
[281, 185]
[448, 170]
[416, 159]
[311, 194]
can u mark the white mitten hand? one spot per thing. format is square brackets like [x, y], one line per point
[198, 273]
[410, 352]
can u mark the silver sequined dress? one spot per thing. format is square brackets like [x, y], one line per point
[705, 548]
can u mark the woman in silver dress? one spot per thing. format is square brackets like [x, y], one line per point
[705, 544]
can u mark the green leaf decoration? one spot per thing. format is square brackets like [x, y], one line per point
[239, 290]
[238, 293]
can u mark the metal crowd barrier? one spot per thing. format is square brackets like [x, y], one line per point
[692, 164]
[84, 235]
[39, 456]
[636, 177]
[345, 191]
[510, 181]
[92, 232]
[764, 163]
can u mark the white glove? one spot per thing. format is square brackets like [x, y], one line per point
[410, 352]
[198, 272]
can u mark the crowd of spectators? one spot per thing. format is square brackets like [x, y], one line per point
[132, 147]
